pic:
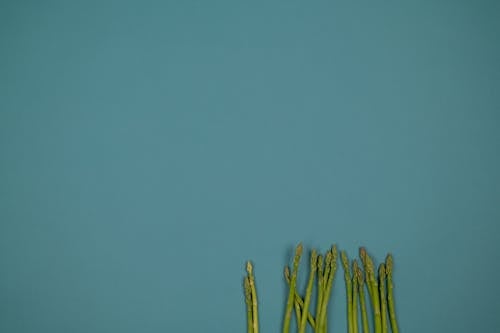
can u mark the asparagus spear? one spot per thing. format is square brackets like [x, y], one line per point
[383, 298]
[354, 297]
[348, 285]
[248, 299]
[390, 293]
[298, 302]
[363, 257]
[372, 285]
[291, 294]
[253, 293]
[307, 300]
[361, 291]
[324, 302]
[331, 263]
[319, 299]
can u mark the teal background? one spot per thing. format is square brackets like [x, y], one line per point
[149, 148]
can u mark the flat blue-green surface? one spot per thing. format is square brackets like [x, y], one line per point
[148, 149]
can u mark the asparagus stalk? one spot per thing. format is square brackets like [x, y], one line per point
[362, 303]
[348, 285]
[319, 300]
[299, 300]
[390, 293]
[248, 299]
[383, 299]
[331, 263]
[307, 300]
[372, 284]
[291, 294]
[324, 302]
[253, 293]
[363, 257]
[354, 297]
[326, 272]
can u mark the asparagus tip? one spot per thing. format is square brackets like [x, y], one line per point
[314, 259]
[299, 249]
[345, 260]
[355, 266]
[328, 258]
[320, 263]
[334, 252]
[249, 268]
[381, 270]
[358, 272]
[362, 253]
[367, 261]
[389, 264]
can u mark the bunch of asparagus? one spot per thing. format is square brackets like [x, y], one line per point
[322, 271]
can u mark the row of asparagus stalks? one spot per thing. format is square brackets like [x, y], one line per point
[322, 272]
